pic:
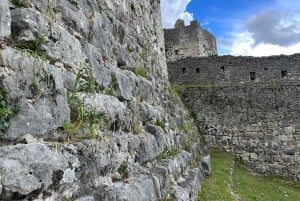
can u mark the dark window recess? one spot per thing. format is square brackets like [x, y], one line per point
[265, 68]
[252, 75]
[283, 73]
[197, 70]
[183, 70]
[176, 52]
[223, 69]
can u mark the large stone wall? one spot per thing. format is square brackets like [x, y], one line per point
[183, 41]
[257, 118]
[230, 69]
[86, 114]
[258, 123]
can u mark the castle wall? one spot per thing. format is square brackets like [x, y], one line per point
[230, 69]
[258, 120]
[258, 123]
[192, 40]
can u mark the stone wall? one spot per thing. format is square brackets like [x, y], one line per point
[85, 109]
[247, 105]
[183, 41]
[230, 69]
[258, 123]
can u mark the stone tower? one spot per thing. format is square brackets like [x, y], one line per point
[184, 41]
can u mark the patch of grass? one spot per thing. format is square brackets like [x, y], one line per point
[168, 154]
[173, 90]
[143, 55]
[123, 170]
[256, 187]
[7, 110]
[33, 47]
[245, 185]
[186, 127]
[137, 128]
[130, 49]
[21, 3]
[142, 71]
[216, 187]
[160, 122]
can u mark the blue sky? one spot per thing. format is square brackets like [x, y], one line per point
[242, 27]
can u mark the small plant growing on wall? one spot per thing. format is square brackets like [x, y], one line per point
[7, 110]
[80, 116]
[142, 71]
[21, 3]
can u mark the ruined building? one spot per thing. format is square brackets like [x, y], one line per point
[183, 41]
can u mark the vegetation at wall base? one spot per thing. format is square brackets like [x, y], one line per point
[230, 181]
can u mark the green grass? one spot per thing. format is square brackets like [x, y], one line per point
[215, 188]
[142, 71]
[254, 187]
[246, 185]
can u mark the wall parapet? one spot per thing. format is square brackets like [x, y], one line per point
[231, 69]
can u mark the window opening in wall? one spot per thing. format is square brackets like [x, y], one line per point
[252, 75]
[283, 73]
[197, 70]
[223, 68]
[265, 68]
[176, 52]
[183, 70]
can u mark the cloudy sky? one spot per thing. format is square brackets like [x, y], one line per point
[242, 27]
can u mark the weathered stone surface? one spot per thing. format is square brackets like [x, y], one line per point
[135, 189]
[28, 24]
[5, 19]
[88, 198]
[27, 168]
[87, 52]
[40, 92]
[115, 111]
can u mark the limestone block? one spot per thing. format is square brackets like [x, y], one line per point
[5, 19]
[87, 198]
[26, 168]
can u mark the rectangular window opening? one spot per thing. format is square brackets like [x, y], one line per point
[223, 68]
[183, 70]
[197, 70]
[252, 76]
[283, 73]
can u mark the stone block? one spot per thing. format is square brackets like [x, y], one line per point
[5, 19]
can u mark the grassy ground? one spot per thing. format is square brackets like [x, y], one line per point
[231, 181]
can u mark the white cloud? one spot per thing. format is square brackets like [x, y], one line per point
[244, 45]
[264, 35]
[172, 10]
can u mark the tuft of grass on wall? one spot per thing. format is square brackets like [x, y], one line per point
[141, 71]
[21, 3]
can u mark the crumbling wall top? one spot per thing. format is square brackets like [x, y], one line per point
[179, 23]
